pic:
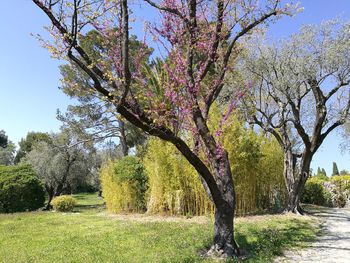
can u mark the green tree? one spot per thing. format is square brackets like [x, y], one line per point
[7, 154]
[28, 143]
[318, 170]
[288, 98]
[335, 169]
[93, 119]
[321, 174]
[59, 164]
[344, 172]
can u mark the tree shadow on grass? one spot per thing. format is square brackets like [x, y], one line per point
[85, 208]
[262, 245]
[89, 203]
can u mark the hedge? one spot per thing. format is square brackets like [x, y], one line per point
[316, 193]
[20, 189]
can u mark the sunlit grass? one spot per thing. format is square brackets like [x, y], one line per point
[91, 235]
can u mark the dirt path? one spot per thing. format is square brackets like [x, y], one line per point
[334, 244]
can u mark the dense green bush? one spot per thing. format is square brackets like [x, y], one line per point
[64, 203]
[20, 189]
[124, 185]
[315, 193]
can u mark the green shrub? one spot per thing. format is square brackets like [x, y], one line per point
[124, 184]
[315, 193]
[321, 177]
[64, 203]
[20, 189]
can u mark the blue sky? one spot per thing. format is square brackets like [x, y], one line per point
[30, 78]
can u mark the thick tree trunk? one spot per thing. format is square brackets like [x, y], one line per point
[289, 170]
[293, 203]
[224, 242]
[296, 189]
[289, 174]
[294, 196]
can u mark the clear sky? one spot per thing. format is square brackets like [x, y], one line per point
[29, 94]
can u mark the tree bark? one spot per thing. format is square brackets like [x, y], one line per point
[293, 202]
[224, 243]
[295, 190]
[50, 192]
[290, 181]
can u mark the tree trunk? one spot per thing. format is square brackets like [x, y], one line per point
[48, 205]
[289, 170]
[294, 196]
[296, 189]
[224, 242]
[50, 192]
[290, 181]
[293, 202]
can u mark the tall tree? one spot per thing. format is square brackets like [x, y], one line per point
[335, 169]
[7, 154]
[58, 163]
[28, 143]
[344, 172]
[300, 95]
[93, 119]
[318, 170]
[197, 37]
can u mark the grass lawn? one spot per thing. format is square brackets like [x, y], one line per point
[91, 235]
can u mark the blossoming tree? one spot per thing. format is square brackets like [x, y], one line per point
[198, 41]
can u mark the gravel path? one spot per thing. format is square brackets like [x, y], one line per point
[334, 244]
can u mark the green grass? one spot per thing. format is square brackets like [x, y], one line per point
[91, 235]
